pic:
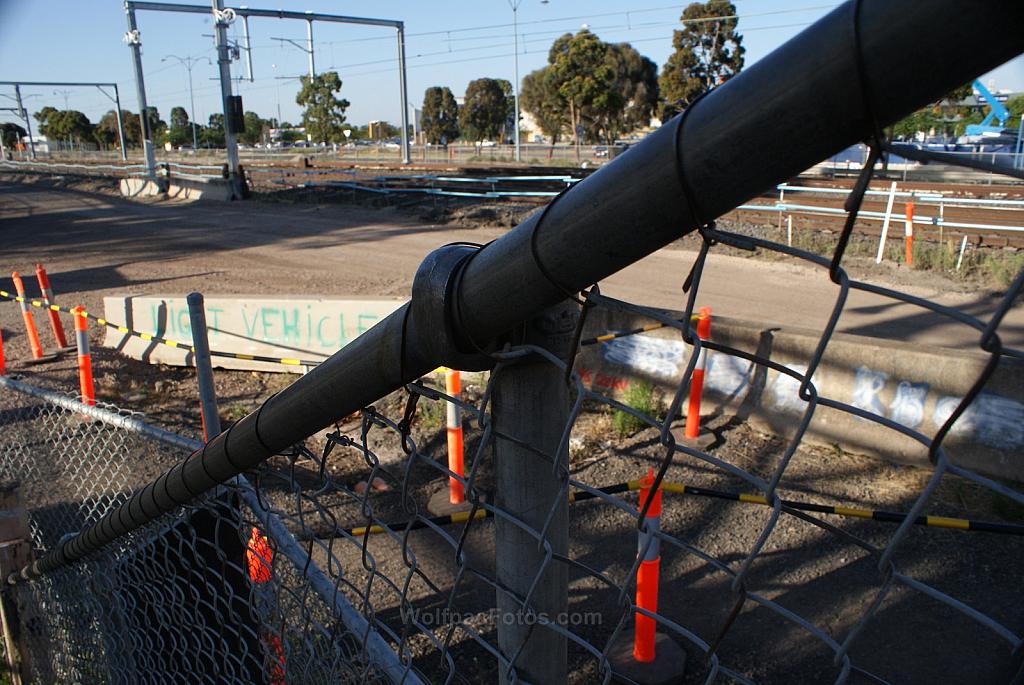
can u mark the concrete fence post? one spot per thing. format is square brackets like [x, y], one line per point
[528, 487]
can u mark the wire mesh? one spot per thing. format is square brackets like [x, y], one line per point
[301, 571]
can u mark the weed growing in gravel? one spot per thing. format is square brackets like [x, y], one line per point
[640, 396]
[432, 414]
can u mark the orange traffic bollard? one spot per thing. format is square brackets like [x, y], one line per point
[47, 293]
[647, 574]
[697, 381]
[453, 387]
[260, 557]
[910, 233]
[84, 358]
[30, 324]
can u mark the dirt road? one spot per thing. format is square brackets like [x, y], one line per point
[95, 245]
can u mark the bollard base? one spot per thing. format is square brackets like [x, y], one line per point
[704, 440]
[668, 667]
[440, 504]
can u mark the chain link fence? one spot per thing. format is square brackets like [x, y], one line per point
[281, 553]
[298, 573]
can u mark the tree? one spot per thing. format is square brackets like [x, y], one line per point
[708, 51]
[582, 76]
[12, 134]
[324, 113]
[440, 117]
[253, 130]
[179, 117]
[70, 125]
[46, 118]
[180, 132]
[157, 126]
[484, 111]
[508, 128]
[636, 80]
[540, 97]
[105, 132]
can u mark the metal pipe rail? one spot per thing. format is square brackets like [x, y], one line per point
[129, 169]
[915, 195]
[921, 219]
[864, 65]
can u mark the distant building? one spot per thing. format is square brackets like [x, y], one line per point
[377, 130]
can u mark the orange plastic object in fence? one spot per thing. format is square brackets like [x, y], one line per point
[259, 557]
[30, 324]
[47, 293]
[697, 380]
[910, 233]
[84, 357]
[647, 574]
[453, 388]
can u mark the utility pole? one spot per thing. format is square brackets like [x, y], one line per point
[514, 4]
[28, 124]
[404, 96]
[120, 126]
[309, 48]
[132, 38]
[221, 20]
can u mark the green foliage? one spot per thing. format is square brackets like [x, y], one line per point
[179, 117]
[1016, 107]
[440, 118]
[12, 133]
[324, 112]
[156, 125]
[254, 127]
[639, 395]
[105, 132]
[635, 85]
[64, 125]
[540, 97]
[582, 76]
[708, 50]
[485, 110]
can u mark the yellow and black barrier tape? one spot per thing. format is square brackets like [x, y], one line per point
[151, 337]
[682, 489]
[613, 335]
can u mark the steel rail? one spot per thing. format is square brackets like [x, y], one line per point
[796, 106]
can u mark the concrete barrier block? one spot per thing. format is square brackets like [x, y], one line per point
[915, 386]
[286, 327]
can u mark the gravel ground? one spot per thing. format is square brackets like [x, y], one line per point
[820, 575]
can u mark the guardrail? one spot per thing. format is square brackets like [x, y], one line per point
[168, 169]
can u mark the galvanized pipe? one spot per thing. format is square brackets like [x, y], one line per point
[795, 107]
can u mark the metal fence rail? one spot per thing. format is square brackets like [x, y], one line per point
[501, 597]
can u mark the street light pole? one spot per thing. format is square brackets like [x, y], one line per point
[514, 4]
[188, 63]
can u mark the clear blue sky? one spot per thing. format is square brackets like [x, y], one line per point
[449, 42]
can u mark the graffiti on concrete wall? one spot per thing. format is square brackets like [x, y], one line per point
[786, 390]
[991, 419]
[907, 406]
[656, 357]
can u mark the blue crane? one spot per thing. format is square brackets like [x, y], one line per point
[998, 113]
